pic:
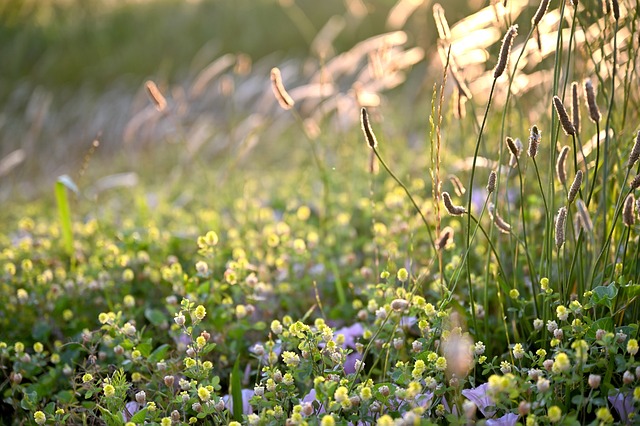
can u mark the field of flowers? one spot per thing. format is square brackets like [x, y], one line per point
[392, 234]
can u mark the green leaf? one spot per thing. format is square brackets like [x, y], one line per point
[155, 316]
[140, 416]
[236, 390]
[159, 354]
[604, 295]
[605, 323]
[144, 348]
[64, 182]
[208, 348]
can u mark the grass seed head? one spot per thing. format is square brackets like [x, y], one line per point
[366, 129]
[560, 222]
[635, 183]
[575, 106]
[534, 141]
[542, 9]
[155, 95]
[594, 111]
[503, 58]
[446, 235]
[281, 94]
[561, 165]
[491, 184]
[635, 152]
[628, 217]
[451, 209]
[501, 224]
[567, 125]
[575, 186]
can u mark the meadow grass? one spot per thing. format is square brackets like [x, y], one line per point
[486, 272]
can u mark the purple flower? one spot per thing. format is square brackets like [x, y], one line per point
[247, 394]
[623, 404]
[479, 397]
[351, 334]
[506, 420]
[130, 409]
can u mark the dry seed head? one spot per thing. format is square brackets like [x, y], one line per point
[594, 111]
[503, 58]
[635, 152]
[635, 183]
[513, 160]
[503, 226]
[585, 217]
[279, 91]
[575, 186]
[458, 187]
[567, 125]
[575, 106]
[606, 6]
[513, 149]
[156, 96]
[627, 211]
[560, 222]
[451, 209]
[441, 22]
[491, 184]
[534, 141]
[616, 9]
[366, 129]
[542, 9]
[561, 170]
[446, 235]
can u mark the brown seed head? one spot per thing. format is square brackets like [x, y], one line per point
[567, 125]
[542, 9]
[155, 95]
[575, 106]
[283, 98]
[635, 183]
[446, 235]
[616, 9]
[491, 184]
[366, 128]
[534, 141]
[628, 217]
[503, 58]
[513, 149]
[575, 186]
[451, 209]
[635, 152]
[502, 226]
[594, 111]
[561, 170]
[560, 222]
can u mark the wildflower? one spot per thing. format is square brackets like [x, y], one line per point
[291, 359]
[632, 347]
[441, 363]
[204, 394]
[543, 384]
[179, 319]
[328, 420]
[87, 378]
[141, 397]
[505, 367]
[418, 368]
[276, 327]
[562, 313]
[561, 363]
[537, 324]
[554, 413]
[478, 348]
[551, 326]
[518, 351]
[636, 394]
[128, 329]
[108, 390]
[385, 420]
[37, 347]
[166, 421]
[39, 417]
[136, 377]
[604, 415]
[200, 312]
[627, 377]
[399, 305]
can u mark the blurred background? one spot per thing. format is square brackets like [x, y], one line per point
[73, 72]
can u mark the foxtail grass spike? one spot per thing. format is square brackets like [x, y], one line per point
[513, 149]
[501, 224]
[366, 128]
[563, 117]
[503, 58]
[281, 94]
[575, 186]
[616, 9]
[594, 111]
[534, 141]
[155, 95]
[561, 162]
[585, 217]
[635, 183]
[628, 217]
[446, 235]
[635, 152]
[575, 106]
[491, 184]
[451, 209]
[542, 9]
[560, 225]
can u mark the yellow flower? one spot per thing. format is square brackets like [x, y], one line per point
[87, 378]
[385, 420]
[200, 312]
[204, 394]
[555, 414]
[632, 346]
[328, 420]
[514, 293]
[604, 415]
[441, 363]
[402, 275]
[109, 391]
[19, 347]
[39, 417]
[37, 347]
[365, 393]
[561, 363]
[136, 377]
[166, 421]
[341, 394]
